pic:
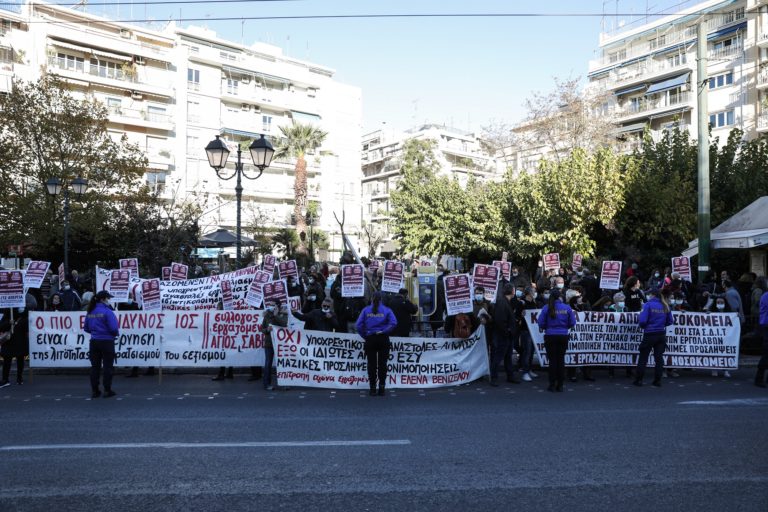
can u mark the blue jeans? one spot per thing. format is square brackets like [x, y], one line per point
[102, 354]
[656, 341]
[269, 356]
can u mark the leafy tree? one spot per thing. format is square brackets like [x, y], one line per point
[298, 140]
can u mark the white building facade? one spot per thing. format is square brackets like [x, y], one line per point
[172, 91]
[459, 153]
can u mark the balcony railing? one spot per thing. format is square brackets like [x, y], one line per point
[647, 105]
[762, 121]
[146, 115]
[726, 52]
[646, 68]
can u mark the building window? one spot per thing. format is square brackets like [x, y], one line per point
[106, 69]
[722, 80]
[617, 56]
[115, 105]
[193, 143]
[193, 79]
[676, 60]
[157, 114]
[266, 123]
[193, 111]
[70, 62]
[155, 145]
[232, 86]
[658, 42]
[156, 181]
[721, 119]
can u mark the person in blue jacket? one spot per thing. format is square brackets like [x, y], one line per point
[101, 324]
[375, 324]
[556, 319]
[654, 319]
[762, 365]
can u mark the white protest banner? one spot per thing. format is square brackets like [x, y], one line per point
[505, 267]
[552, 261]
[131, 264]
[164, 339]
[604, 338]
[287, 269]
[577, 261]
[486, 276]
[277, 292]
[458, 295]
[150, 295]
[256, 290]
[269, 264]
[205, 292]
[119, 280]
[337, 360]
[227, 300]
[392, 279]
[353, 280]
[62, 274]
[682, 265]
[36, 270]
[166, 274]
[12, 289]
[610, 277]
[179, 272]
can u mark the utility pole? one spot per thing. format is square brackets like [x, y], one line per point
[703, 160]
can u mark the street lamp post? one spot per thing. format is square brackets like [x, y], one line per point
[261, 152]
[55, 186]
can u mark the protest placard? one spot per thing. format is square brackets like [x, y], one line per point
[458, 294]
[373, 266]
[577, 261]
[269, 264]
[150, 295]
[287, 270]
[164, 339]
[119, 281]
[610, 276]
[131, 264]
[36, 271]
[166, 274]
[505, 267]
[255, 290]
[12, 289]
[604, 338]
[179, 271]
[682, 265]
[227, 301]
[486, 276]
[353, 280]
[552, 261]
[276, 291]
[337, 360]
[62, 274]
[392, 278]
[205, 292]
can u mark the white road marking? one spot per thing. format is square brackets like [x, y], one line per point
[258, 444]
[733, 401]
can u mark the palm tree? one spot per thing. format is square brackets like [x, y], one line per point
[298, 139]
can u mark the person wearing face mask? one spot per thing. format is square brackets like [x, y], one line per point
[558, 283]
[656, 280]
[313, 298]
[619, 306]
[526, 341]
[719, 305]
[635, 298]
[70, 300]
[273, 315]
[575, 299]
[518, 278]
[543, 297]
[322, 319]
[101, 324]
[505, 329]
[17, 345]
[654, 319]
[295, 288]
[481, 310]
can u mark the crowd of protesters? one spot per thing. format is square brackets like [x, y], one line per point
[376, 316]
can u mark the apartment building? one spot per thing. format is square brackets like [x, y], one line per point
[650, 69]
[172, 91]
[459, 153]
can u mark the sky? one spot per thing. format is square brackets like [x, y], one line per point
[464, 72]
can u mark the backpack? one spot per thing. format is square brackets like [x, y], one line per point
[462, 326]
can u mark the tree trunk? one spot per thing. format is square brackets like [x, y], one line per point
[300, 202]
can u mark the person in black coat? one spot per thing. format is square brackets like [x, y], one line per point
[323, 319]
[404, 310]
[505, 328]
[18, 344]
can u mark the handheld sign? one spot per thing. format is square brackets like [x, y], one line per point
[352, 280]
[610, 277]
[552, 261]
[458, 295]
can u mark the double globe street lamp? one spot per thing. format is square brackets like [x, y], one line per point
[55, 186]
[261, 153]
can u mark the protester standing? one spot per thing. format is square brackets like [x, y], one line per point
[505, 328]
[17, 346]
[403, 310]
[323, 319]
[375, 324]
[556, 319]
[654, 320]
[101, 324]
[762, 365]
[70, 299]
[273, 315]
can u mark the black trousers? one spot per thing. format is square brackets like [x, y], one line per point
[7, 361]
[377, 351]
[656, 341]
[556, 345]
[102, 354]
[763, 364]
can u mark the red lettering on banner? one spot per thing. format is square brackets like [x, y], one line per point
[413, 380]
[186, 321]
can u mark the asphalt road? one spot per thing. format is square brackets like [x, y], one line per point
[699, 443]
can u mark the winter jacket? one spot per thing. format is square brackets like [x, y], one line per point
[369, 323]
[271, 318]
[654, 318]
[316, 320]
[764, 309]
[565, 319]
[101, 323]
[403, 309]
